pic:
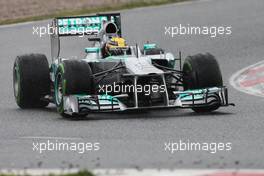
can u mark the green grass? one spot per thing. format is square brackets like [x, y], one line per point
[130, 5]
[80, 173]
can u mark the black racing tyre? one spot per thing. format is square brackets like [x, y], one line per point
[31, 80]
[202, 71]
[72, 77]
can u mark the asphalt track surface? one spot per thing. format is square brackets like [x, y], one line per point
[136, 140]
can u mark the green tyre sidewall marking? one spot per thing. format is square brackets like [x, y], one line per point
[18, 80]
[60, 107]
[189, 65]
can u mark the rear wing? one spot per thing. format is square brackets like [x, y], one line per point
[84, 25]
[80, 26]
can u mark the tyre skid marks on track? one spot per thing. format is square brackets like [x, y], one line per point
[250, 79]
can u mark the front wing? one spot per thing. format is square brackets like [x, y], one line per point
[83, 104]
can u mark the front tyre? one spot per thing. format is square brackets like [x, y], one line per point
[31, 80]
[72, 77]
[202, 71]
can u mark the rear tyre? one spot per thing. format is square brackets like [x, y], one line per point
[72, 77]
[202, 71]
[31, 80]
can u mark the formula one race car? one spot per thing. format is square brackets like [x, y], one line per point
[115, 76]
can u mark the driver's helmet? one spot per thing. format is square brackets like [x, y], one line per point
[115, 46]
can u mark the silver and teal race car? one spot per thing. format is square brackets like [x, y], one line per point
[115, 76]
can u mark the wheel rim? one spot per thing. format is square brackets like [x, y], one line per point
[16, 81]
[59, 89]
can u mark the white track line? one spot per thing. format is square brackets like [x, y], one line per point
[134, 172]
[233, 78]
